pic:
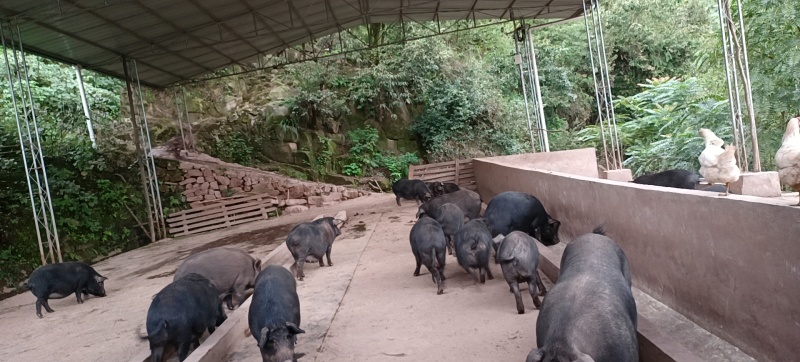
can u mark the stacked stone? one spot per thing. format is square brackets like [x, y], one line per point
[202, 185]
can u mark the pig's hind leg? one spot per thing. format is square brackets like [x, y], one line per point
[327, 255]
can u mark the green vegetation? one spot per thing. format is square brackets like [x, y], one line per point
[375, 112]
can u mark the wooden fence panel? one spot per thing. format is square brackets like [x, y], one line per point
[222, 215]
[459, 172]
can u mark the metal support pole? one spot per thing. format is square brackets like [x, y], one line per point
[596, 88]
[543, 136]
[155, 193]
[610, 98]
[86, 113]
[179, 110]
[748, 93]
[138, 144]
[734, 100]
[519, 62]
[31, 145]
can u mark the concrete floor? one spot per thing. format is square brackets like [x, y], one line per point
[367, 307]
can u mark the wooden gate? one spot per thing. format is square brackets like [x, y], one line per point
[458, 172]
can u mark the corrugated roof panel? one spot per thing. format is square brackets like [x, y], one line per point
[181, 38]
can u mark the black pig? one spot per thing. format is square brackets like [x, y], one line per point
[590, 313]
[274, 315]
[468, 201]
[451, 218]
[180, 313]
[441, 188]
[511, 210]
[518, 257]
[411, 190]
[56, 281]
[313, 238]
[473, 246]
[680, 179]
[428, 246]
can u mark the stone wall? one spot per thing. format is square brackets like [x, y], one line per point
[202, 185]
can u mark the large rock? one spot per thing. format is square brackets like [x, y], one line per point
[222, 180]
[315, 200]
[292, 202]
[295, 209]
[194, 173]
[333, 196]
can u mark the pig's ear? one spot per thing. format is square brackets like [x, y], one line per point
[99, 278]
[554, 223]
[262, 339]
[583, 357]
[257, 265]
[534, 356]
[294, 329]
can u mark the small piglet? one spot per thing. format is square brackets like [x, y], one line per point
[518, 257]
[469, 202]
[231, 270]
[313, 238]
[439, 188]
[590, 313]
[56, 281]
[451, 218]
[180, 313]
[274, 315]
[411, 190]
[428, 246]
[473, 246]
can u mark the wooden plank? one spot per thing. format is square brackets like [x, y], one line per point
[455, 181]
[233, 223]
[445, 178]
[219, 209]
[212, 219]
[228, 202]
[424, 175]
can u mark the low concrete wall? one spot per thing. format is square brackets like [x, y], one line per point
[732, 265]
[582, 162]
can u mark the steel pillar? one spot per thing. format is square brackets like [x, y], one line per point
[737, 68]
[525, 59]
[605, 103]
[85, 104]
[30, 143]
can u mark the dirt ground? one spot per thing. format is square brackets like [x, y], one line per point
[105, 329]
[370, 307]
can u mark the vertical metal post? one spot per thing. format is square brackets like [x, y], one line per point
[519, 62]
[155, 193]
[86, 112]
[610, 98]
[188, 120]
[596, 89]
[602, 64]
[543, 136]
[35, 170]
[179, 110]
[733, 86]
[748, 93]
[138, 144]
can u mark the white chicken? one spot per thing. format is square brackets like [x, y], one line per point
[788, 156]
[718, 164]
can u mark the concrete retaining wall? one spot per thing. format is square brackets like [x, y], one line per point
[732, 265]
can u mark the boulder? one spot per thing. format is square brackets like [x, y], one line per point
[333, 196]
[194, 173]
[315, 200]
[295, 209]
[292, 202]
[222, 180]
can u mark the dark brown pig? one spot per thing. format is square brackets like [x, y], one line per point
[230, 270]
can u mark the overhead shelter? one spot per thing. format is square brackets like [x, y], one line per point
[179, 40]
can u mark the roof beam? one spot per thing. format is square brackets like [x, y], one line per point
[184, 32]
[133, 33]
[263, 22]
[302, 21]
[91, 43]
[508, 8]
[223, 24]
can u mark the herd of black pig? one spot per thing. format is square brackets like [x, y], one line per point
[588, 315]
[193, 303]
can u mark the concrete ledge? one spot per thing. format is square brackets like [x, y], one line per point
[762, 184]
[622, 175]
[654, 346]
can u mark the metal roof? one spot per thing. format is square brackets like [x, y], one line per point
[178, 40]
